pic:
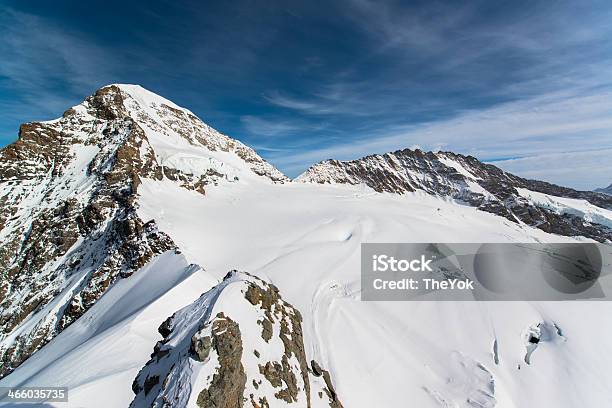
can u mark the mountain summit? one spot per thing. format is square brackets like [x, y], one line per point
[69, 192]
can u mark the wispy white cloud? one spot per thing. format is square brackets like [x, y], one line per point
[263, 127]
[584, 170]
[39, 59]
[424, 29]
[39, 50]
[431, 53]
[277, 98]
[344, 99]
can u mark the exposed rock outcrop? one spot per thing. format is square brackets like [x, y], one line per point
[237, 365]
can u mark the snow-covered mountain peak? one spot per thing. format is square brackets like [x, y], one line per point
[178, 139]
[69, 189]
[467, 180]
[145, 97]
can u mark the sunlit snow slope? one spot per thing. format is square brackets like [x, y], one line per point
[305, 238]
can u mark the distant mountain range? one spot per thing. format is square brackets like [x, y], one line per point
[605, 190]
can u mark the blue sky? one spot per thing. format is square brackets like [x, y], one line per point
[526, 85]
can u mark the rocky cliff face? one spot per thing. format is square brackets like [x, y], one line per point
[69, 194]
[472, 182]
[238, 345]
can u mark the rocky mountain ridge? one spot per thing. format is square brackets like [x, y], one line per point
[69, 191]
[466, 179]
[213, 339]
